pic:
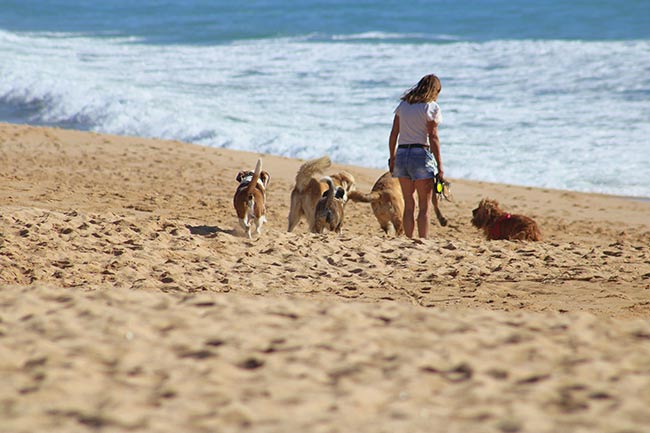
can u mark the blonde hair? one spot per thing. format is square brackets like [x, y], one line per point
[426, 90]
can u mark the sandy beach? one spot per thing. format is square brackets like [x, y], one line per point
[131, 301]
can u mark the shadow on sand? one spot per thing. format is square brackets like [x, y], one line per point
[209, 231]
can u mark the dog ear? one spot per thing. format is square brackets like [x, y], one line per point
[266, 177]
[347, 181]
[340, 193]
[491, 209]
[346, 184]
[489, 212]
[240, 175]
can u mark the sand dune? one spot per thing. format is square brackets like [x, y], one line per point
[131, 302]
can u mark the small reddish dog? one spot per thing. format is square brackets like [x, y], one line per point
[498, 224]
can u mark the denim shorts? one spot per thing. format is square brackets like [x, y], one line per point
[415, 163]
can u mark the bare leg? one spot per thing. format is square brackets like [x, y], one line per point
[424, 188]
[408, 191]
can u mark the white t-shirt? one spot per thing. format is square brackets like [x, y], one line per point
[413, 120]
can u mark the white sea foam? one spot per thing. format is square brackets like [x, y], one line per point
[558, 114]
[386, 36]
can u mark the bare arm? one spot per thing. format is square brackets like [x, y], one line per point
[434, 145]
[392, 142]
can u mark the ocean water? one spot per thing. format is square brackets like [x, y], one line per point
[551, 94]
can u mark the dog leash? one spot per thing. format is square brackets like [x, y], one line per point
[441, 187]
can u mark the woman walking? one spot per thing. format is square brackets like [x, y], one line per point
[415, 150]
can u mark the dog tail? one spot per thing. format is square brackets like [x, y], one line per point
[253, 183]
[309, 169]
[363, 197]
[331, 192]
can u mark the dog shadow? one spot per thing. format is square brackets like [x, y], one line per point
[209, 231]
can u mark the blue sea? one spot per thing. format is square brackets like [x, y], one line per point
[549, 93]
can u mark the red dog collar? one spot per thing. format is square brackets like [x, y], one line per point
[495, 231]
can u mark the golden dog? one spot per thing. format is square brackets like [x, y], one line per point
[250, 198]
[309, 190]
[497, 224]
[330, 208]
[387, 203]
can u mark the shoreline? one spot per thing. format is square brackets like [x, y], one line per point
[37, 125]
[132, 301]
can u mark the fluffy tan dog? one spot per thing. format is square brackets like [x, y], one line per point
[387, 203]
[329, 211]
[498, 224]
[250, 198]
[309, 190]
